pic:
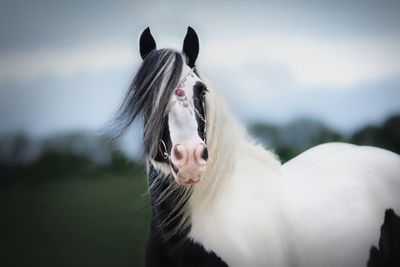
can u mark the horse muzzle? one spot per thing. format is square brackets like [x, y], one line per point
[190, 161]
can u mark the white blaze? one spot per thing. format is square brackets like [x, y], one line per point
[182, 121]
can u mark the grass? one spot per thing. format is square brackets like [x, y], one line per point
[75, 221]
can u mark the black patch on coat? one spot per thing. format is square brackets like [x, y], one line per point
[388, 253]
[199, 91]
[177, 250]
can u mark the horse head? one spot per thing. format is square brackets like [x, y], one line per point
[170, 95]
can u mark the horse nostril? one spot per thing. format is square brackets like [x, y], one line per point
[204, 154]
[199, 155]
[178, 152]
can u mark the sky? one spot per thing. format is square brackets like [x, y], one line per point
[65, 65]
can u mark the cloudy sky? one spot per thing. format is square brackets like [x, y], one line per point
[65, 65]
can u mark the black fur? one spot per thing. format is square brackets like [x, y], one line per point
[199, 90]
[176, 250]
[388, 253]
[166, 146]
[146, 43]
[191, 47]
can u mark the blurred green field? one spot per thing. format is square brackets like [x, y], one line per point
[75, 221]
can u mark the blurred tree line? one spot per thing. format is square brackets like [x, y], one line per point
[292, 139]
[60, 156]
[73, 200]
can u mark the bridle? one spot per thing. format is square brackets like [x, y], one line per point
[185, 101]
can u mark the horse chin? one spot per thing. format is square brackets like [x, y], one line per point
[187, 177]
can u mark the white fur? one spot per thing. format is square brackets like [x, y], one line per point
[323, 208]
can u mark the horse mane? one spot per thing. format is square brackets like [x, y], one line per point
[148, 96]
[227, 142]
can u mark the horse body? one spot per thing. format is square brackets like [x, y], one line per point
[337, 194]
[323, 208]
[244, 208]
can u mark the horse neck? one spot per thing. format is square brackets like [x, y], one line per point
[228, 144]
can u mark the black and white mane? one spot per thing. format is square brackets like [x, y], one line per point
[149, 95]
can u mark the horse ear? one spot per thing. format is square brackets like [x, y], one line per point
[147, 43]
[191, 47]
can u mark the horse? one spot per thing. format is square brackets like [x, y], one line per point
[218, 198]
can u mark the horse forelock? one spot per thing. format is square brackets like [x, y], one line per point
[149, 94]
